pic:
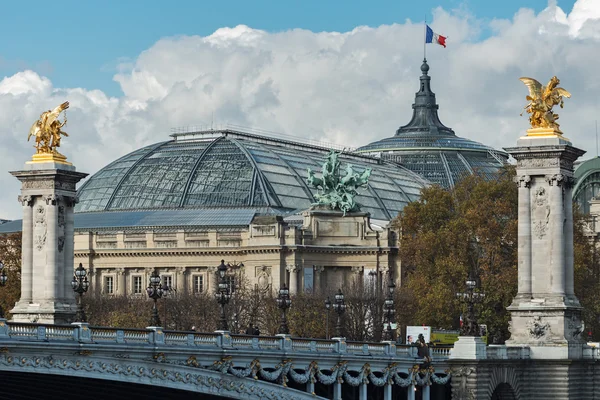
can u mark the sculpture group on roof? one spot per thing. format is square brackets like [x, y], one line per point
[335, 191]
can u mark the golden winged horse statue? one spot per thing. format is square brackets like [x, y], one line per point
[541, 101]
[47, 130]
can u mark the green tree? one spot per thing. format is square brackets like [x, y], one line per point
[445, 236]
[10, 255]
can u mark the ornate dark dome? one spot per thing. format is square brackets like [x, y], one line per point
[236, 170]
[431, 149]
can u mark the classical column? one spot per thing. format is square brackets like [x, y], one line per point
[180, 280]
[524, 236]
[557, 231]
[121, 290]
[318, 278]
[426, 392]
[293, 282]
[357, 276]
[569, 257]
[50, 273]
[213, 279]
[27, 250]
[68, 253]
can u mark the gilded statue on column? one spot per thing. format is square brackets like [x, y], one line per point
[47, 131]
[541, 101]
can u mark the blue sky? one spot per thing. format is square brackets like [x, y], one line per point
[86, 40]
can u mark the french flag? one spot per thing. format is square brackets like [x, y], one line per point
[432, 37]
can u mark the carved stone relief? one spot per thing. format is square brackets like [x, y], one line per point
[61, 228]
[540, 212]
[263, 278]
[39, 227]
[537, 328]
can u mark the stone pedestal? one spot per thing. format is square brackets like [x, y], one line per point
[48, 197]
[545, 313]
[469, 348]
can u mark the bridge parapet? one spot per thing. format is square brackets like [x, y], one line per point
[84, 333]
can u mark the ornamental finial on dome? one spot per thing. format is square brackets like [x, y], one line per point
[424, 67]
[425, 118]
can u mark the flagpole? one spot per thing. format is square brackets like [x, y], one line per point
[425, 38]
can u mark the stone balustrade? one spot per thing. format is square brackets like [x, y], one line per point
[82, 332]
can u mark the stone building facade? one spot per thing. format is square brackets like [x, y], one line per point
[322, 253]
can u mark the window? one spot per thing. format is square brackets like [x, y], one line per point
[231, 283]
[137, 284]
[109, 287]
[198, 283]
[167, 282]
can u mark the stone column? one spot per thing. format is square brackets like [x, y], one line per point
[557, 231]
[213, 280]
[49, 279]
[68, 253]
[569, 256]
[318, 278]
[121, 289]
[293, 282]
[426, 392]
[357, 276]
[524, 236]
[27, 252]
[180, 280]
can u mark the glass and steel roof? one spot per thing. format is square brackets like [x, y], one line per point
[235, 169]
[587, 186]
[431, 149]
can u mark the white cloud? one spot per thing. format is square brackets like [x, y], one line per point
[351, 88]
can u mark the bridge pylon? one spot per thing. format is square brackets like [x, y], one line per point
[48, 196]
[545, 313]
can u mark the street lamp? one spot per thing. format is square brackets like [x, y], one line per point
[155, 291]
[389, 310]
[328, 308]
[470, 297]
[222, 295]
[284, 302]
[3, 279]
[80, 285]
[339, 307]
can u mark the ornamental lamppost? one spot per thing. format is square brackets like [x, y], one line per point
[389, 310]
[222, 295]
[339, 306]
[155, 291]
[328, 308]
[80, 285]
[3, 279]
[470, 297]
[284, 302]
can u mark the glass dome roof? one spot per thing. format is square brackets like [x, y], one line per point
[236, 169]
[431, 149]
[587, 187]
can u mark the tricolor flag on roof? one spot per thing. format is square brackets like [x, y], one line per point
[432, 37]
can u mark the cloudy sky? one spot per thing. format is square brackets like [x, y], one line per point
[300, 72]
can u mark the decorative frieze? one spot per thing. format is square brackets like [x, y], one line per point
[48, 184]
